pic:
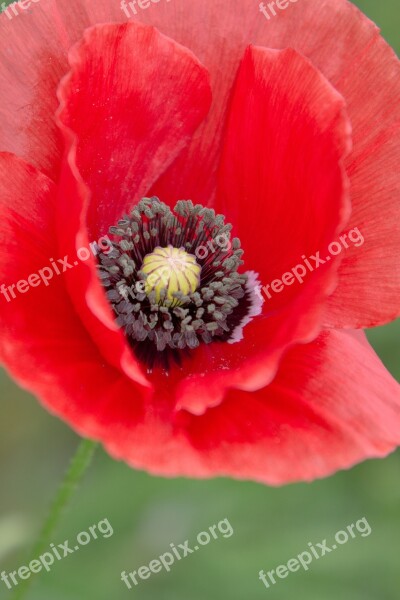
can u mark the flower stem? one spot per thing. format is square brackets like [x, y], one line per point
[76, 470]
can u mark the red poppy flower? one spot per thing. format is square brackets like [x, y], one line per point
[288, 129]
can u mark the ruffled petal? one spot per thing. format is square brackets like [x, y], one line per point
[43, 343]
[331, 405]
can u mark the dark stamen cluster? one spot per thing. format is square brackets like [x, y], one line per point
[157, 328]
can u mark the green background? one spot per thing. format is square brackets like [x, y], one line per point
[147, 513]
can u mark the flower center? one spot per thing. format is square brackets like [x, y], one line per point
[168, 271]
[172, 280]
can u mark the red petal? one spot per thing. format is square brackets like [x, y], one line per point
[32, 61]
[121, 132]
[129, 106]
[43, 343]
[369, 276]
[291, 203]
[331, 405]
[282, 181]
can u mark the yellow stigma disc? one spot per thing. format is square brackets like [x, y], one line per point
[173, 270]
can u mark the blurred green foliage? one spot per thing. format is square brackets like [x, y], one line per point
[147, 513]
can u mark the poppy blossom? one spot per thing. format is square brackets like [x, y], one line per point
[163, 178]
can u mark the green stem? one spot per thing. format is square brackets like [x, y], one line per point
[78, 466]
